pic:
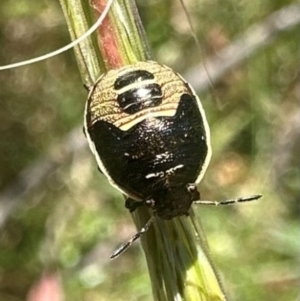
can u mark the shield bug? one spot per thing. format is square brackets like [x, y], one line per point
[149, 134]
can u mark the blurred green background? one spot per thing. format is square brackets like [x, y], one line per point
[59, 235]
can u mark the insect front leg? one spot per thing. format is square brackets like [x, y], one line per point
[132, 204]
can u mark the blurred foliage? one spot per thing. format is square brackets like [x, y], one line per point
[75, 219]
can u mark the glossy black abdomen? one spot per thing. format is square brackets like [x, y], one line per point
[157, 153]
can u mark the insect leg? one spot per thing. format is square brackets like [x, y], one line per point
[131, 204]
[133, 238]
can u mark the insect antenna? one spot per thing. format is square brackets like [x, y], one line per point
[229, 201]
[133, 238]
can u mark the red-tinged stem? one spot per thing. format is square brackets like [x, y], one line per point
[107, 38]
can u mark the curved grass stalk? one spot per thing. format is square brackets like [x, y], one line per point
[176, 251]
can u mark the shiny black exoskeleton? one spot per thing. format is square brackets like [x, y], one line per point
[155, 149]
[158, 158]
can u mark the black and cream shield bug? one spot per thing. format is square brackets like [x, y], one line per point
[149, 134]
[148, 131]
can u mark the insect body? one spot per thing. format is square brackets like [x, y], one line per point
[148, 131]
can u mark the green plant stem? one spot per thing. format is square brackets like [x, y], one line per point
[175, 250]
[79, 21]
